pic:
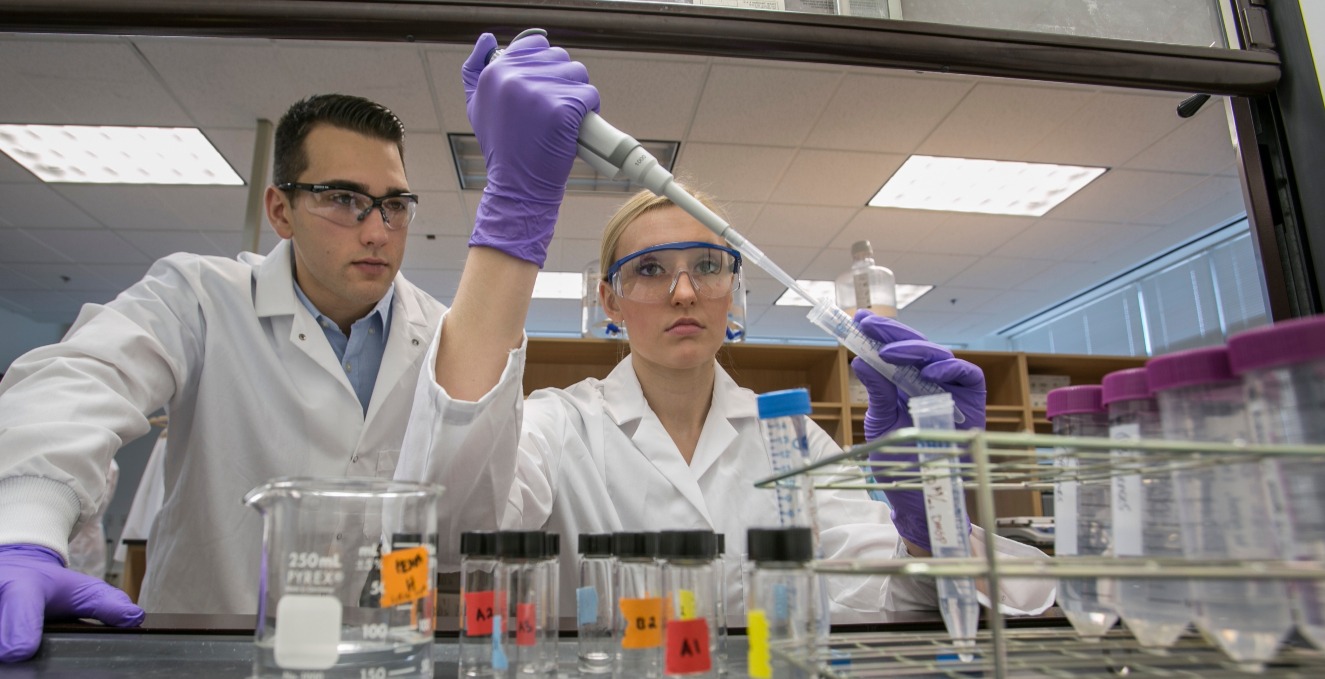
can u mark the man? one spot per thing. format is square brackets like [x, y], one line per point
[300, 363]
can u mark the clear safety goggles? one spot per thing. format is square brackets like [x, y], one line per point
[652, 274]
[348, 207]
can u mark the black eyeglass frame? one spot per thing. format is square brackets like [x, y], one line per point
[377, 200]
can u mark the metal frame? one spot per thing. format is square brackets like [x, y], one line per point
[686, 29]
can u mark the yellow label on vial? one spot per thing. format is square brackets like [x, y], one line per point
[759, 660]
[686, 602]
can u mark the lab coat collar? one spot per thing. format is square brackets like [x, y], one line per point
[273, 283]
[625, 405]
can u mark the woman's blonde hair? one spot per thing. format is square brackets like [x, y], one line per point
[638, 205]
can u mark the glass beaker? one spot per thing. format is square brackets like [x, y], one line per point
[593, 318]
[346, 586]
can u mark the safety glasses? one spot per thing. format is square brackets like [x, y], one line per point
[652, 274]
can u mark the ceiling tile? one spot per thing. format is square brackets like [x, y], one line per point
[448, 92]
[835, 177]
[390, 74]
[236, 146]
[225, 83]
[995, 122]
[86, 81]
[750, 177]
[13, 173]
[571, 254]
[1224, 194]
[630, 87]
[895, 229]
[1201, 145]
[972, 234]
[1123, 195]
[781, 224]
[429, 164]
[1113, 239]
[17, 246]
[117, 277]
[885, 113]
[749, 104]
[442, 252]
[999, 273]
[13, 279]
[953, 299]
[920, 268]
[158, 244]
[1055, 239]
[198, 208]
[122, 207]
[96, 246]
[1109, 130]
[442, 214]
[38, 206]
[584, 215]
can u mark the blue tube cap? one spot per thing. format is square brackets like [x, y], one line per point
[784, 403]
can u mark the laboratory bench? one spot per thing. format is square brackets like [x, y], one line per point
[206, 646]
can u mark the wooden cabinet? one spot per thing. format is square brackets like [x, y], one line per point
[825, 371]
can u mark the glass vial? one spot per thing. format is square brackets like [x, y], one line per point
[551, 566]
[522, 584]
[594, 604]
[1082, 514]
[690, 588]
[593, 319]
[478, 603]
[637, 621]
[867, 285]
[720, 564]
[780, 602]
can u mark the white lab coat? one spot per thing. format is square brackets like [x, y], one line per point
[147, 498]
[253, 391]
[594, 458]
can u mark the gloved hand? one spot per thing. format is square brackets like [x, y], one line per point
[526, 108]
[888, 406]
[34, 583]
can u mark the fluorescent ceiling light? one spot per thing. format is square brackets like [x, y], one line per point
[473, 170]
[559, 285]
[994, 187]
[827, 291]
[85, 154]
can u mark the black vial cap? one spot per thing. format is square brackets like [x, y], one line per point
[482, 543]
[596, 544]
[521, 544]
[687, 544]
[794, 544]
[722, 544]
[635, 545]
[552, 544]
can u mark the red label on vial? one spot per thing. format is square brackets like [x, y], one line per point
[478, 614]
[687, 646]
[526, 631]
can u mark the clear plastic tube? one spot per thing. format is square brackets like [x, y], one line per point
[945, 512]
[837, 323]
[1082, 518]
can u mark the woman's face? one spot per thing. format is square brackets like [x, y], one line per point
[685, 329]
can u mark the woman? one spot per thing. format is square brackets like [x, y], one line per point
[667, 440]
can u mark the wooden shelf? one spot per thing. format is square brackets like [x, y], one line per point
[825, 371]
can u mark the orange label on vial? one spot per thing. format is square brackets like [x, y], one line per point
[644, 622]
[687, 647]
[405, 576]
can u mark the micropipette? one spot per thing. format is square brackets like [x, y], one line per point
[617, 155]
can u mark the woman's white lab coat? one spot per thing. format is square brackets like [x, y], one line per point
[594, 458]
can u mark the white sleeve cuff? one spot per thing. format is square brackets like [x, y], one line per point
[37, 511]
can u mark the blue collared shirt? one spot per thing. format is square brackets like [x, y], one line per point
[360, 354]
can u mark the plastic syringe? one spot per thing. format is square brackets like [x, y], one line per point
[617, 155]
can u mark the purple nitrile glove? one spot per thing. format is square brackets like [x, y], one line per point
[34, 584]
[526, 108]
[888, 406]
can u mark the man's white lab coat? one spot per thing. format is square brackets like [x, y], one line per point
[594, 458]
[253, 391]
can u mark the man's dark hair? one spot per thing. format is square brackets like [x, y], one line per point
[338, 110]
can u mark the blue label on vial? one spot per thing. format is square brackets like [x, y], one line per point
[586, 605]
[498, 655]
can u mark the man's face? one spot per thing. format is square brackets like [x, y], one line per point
[344, 270]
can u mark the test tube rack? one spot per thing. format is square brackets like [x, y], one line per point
[993, 461]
